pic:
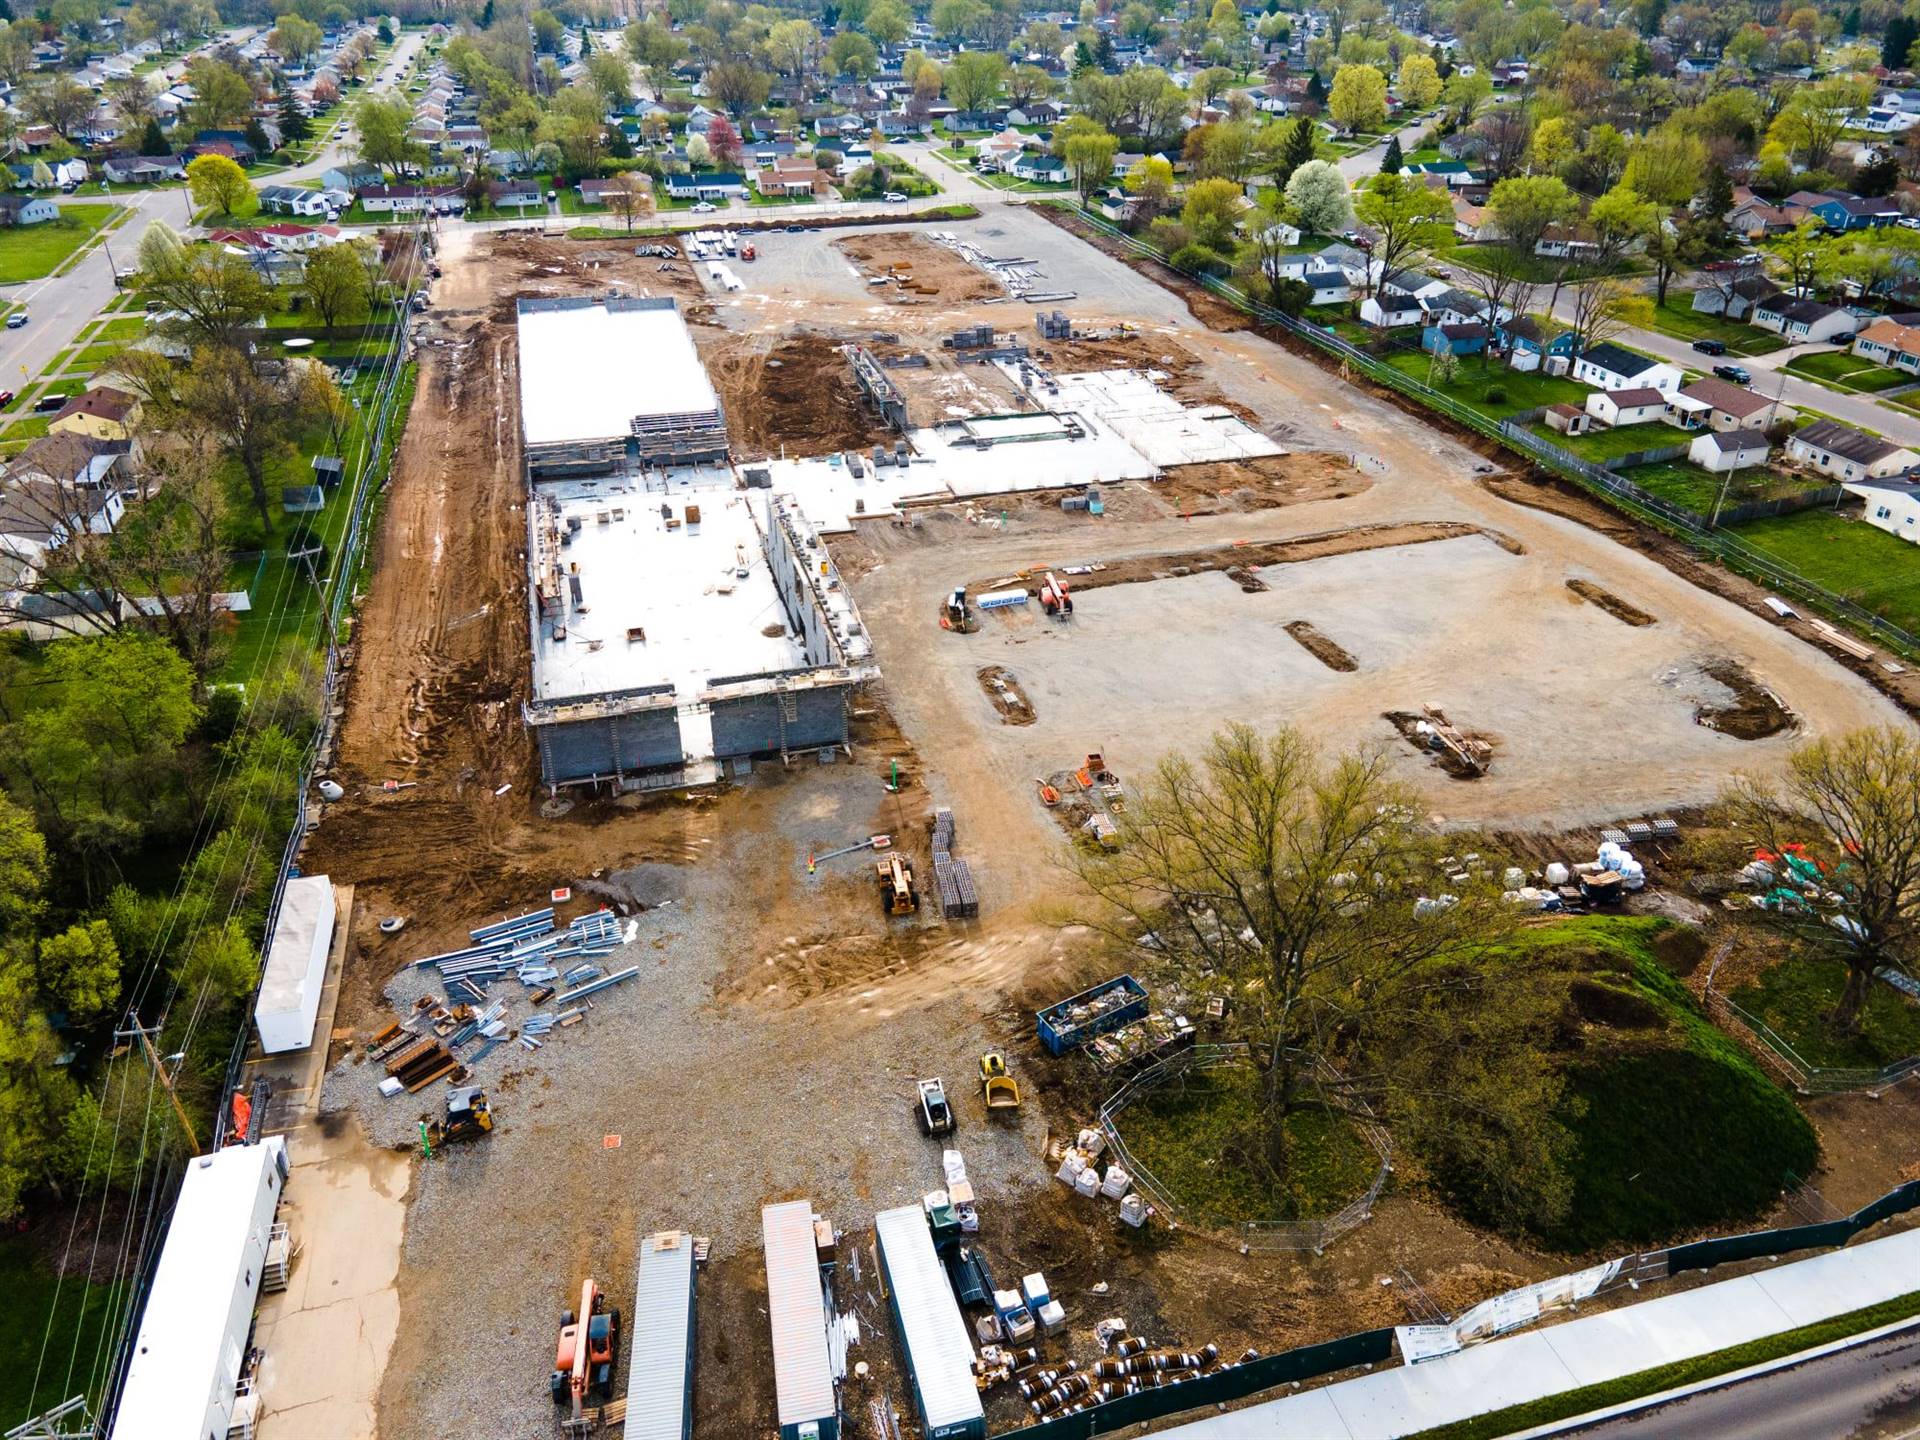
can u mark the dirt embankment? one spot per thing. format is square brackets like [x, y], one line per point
[1752, 713]
[1330, 654]
[917, 269]
[1611, 603]
[1235, 486]
[795, 392]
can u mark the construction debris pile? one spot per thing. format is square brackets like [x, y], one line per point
[1081, 1173]
[527, 947]
[953, 878]
[1019, 275]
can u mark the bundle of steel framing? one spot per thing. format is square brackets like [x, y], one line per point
[525, 947]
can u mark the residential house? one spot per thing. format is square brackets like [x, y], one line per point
[1039, 166]
[1720, 405]
[1848, 454]
[791, 175]
[100, 413]
[597, 191]
[1838, 210]
[1805, 321]
[1733, 293]
[1533, 341]
[26, 210]
[1390, 307]
[1890, 343]
[1329, 287]
[521, 195]
[1879, 121]
[405, 199]
[1269, 99]
[1454, 339]
[1567, 419]
[58, 487]
[231, 143]
[351, 178]
[1471, 223]
[1723, 450]
[1454, 174]
[1757, 219]
[1614, 367]
[1117, 206]
[1637, 406]
[1892, 506]
[708, 185]
[999, 151]
[1450, 306]
[297, 200]
[142, 169]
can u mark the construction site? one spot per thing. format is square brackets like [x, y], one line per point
[738, 636]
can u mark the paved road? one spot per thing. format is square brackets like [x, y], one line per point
[1770, 380]
[58, 308]
[1362, 163]
[1869, 1392]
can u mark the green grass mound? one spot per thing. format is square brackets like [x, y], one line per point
[1675, 1128]
[1199, 1135]
[1795, 997]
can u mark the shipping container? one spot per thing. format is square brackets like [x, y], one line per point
[933, 1334]
[802, 1368]
[660, 1337]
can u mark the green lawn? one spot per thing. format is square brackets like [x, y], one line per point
[1199, 1134]
[1474, 384]
[1847, 372]
[122, 330]
[29, 1288]
[1677, 319]
[1685, 484]
[1795, 996]
[1849, 557]
[1600, 446]
[32, 251]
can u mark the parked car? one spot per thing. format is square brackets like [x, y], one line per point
[795, 229]
[1711, 347]
[705, 207]
[16, 320]
[894, 197]
[47, 404]
[6, 398]
[1738, 374]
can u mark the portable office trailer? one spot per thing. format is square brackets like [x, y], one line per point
[660, 1337]
[802, 1368]
[296, 969]
[933, 1334]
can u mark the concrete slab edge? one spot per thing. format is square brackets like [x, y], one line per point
[1717, 1382]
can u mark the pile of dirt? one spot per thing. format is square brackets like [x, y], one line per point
[795, 391]
[918, 268]
[518, 263]
[1236, 486]
[1009, 698]
[1465, 758]
[1753, 713]
[1329, 654]
[1610, 602]
[1319, 546]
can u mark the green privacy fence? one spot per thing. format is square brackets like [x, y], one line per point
[1705, 1254]
[1373, 1347]
[1307, 1362]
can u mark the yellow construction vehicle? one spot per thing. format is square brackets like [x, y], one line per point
[469, 1116]
[1002, 1091]
[897, 895]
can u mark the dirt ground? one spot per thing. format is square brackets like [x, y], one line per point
[917, 269]
[794, 392]
[768, 1051]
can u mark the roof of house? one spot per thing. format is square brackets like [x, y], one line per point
[1563, 408]
[1725, 396]
[1619, 360]
[102, 401]
[65, 457]
[1803, 310]
[1633, 399]
[1846, 442]
[1732, 441]
[1893, 335]
[1528, 327]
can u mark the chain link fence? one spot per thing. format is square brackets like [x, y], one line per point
[1684, 525]
[1274, 1235]
[1773, 1050]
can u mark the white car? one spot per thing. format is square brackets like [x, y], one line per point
[894, 197]
[705, 207]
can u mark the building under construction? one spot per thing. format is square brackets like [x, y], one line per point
[680, 620]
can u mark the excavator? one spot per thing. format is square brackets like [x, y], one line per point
[584, 1361]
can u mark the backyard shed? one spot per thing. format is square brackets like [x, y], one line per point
[296, 965]
[933, 1335]
[802, 1368]
[660, 1381]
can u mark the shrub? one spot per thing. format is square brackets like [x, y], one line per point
[1496, 395]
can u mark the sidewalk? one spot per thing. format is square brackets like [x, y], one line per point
[1588, 1351]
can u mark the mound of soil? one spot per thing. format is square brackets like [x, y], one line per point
[924, 270]
[1329, 654]
[1234, 486]
[1753, 713]
[1009, 699]
[798, 392]
[1610, 602]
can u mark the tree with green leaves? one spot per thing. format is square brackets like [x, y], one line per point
[1211, 211]
[1392, 161]
[334, 285]
[972, 79]
[295, 126]
[1089, 158]
[294, 38]
[1843, 824]
[217, 183]
[852, 54]
[1419, 80]
[382, 123]
[1358, 101]
[1409, 221]
[1282, 148]
[1149, 180]
[1318, 196]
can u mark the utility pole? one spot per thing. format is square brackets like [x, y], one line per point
[145, 1036]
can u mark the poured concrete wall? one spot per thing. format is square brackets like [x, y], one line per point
[791, 567]
[574, 750]
[753, 725]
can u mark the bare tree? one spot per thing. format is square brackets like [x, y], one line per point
[1844, 826]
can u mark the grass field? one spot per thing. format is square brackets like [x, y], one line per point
[1841, 371]
[1199, 1135]
[1688, 486]
[1847, 556]
[1678, 319]
[32, 251]
[1600, 446]
[1473, 384]
[1795, 997]
[29, 1288]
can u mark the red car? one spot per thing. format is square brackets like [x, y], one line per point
[6, 398]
